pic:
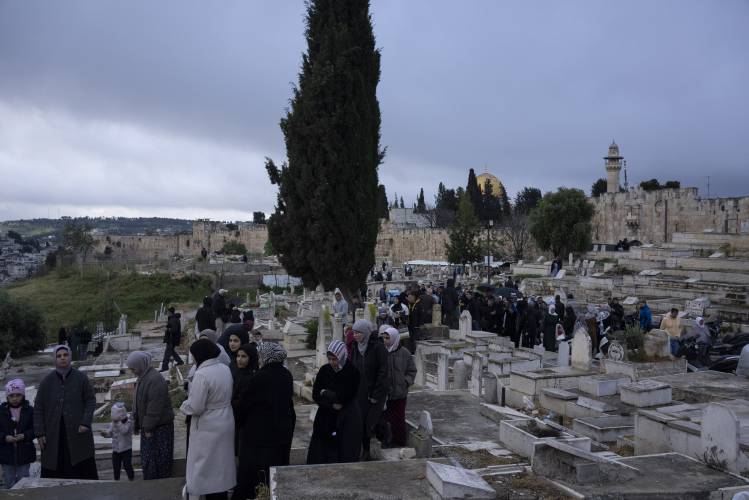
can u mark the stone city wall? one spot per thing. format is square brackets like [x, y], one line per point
[654, 217]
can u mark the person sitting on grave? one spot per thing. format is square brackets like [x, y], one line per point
[398, 312]
[337, 429]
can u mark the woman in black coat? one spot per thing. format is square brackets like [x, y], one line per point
[266, 420]
[243, 367]
[370, 357]
[337, 431]
[17, 450]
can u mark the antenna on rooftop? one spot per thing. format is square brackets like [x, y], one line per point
[708, 187]
[626, 182]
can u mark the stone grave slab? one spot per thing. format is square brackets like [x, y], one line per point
[645, 393]
[594, 404]
[107, 373]
[607, 429]
[560, 394]
[455, 482]
[602, 385]
[656, 343]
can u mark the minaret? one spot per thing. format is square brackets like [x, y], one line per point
[613, 167]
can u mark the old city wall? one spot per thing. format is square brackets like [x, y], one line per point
[654, 217]
[397, 246]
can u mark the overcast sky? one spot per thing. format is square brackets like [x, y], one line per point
[168, 108]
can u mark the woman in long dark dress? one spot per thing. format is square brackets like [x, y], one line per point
[370, 357]
[63, 411]
[246, 366]
[550, 322]
[266, 419]
[337, 430]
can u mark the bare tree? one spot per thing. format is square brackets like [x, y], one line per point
[517, 234]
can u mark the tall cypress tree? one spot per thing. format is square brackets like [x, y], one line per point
[325, 225]
[421, 206]
[474, 193]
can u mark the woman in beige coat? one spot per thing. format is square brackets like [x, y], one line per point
[211, 470]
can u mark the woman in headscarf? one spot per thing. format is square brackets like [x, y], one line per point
[337, 430]
[246, 366]
[570, 318]
[402, 375]
[266, 420]
[704, 341]
[213, 336]
[153, 417]
[550, 322]
[211, 469]
[63, 411]
[236, 340]
[370, 357]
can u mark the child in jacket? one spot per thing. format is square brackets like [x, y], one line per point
[17, 451]
[121, 432]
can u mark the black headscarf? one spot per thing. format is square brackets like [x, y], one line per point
[203, 350]
[250, 349]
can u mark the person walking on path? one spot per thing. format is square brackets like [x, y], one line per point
[211, 470]
[121, 432]
[220, 311]
[63, 411]
[17, 451]
[153, 417]
[172, 339]
[337, 430]
[267, 421]
[402, 375]
[370, 357]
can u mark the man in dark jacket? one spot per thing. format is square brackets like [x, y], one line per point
[220, 311]
[63, 411]
[172, 338]
[492, 315]
[450, 304]
[204, 316]
[532, 318]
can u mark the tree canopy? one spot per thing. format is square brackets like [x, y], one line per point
[21, 326]
[598, 188]
[561, 222]
[526, 200]
[463, 246]
[325, 223]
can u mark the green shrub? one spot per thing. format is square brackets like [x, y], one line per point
[311, 326]
[234, 247]
[21, 327]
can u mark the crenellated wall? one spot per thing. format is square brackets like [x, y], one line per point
[653, 217]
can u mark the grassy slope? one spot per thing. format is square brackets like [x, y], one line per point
[65, 299]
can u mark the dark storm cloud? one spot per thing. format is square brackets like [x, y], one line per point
[171, 106]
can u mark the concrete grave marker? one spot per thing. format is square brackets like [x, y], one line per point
[476, 375]
[561, 274]
[724, 427]
[742, 370]
[563, 357]
[581, 350]
[455, 482]
[570, 259]
[465, 327]
[436, 315]
[460, 375]
[425, 422]
[657, 343]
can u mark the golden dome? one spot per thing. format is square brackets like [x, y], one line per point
[497, 188]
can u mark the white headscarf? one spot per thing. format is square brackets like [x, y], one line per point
[395, 339]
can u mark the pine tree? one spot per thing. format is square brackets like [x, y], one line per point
[526, 200]
[324, 227]
[403, 205]
[421, 206]
[474, 193]
[463, 246]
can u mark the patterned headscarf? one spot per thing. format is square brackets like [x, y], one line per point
[338, 349]
[395, 339]
[270, 352]
[15, 386]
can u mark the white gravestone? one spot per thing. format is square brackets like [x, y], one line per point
[460, 375]
[581, 350]
[563, 358]
[465, 327]
[742, 370]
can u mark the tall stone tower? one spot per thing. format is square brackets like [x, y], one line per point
[613, 167]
